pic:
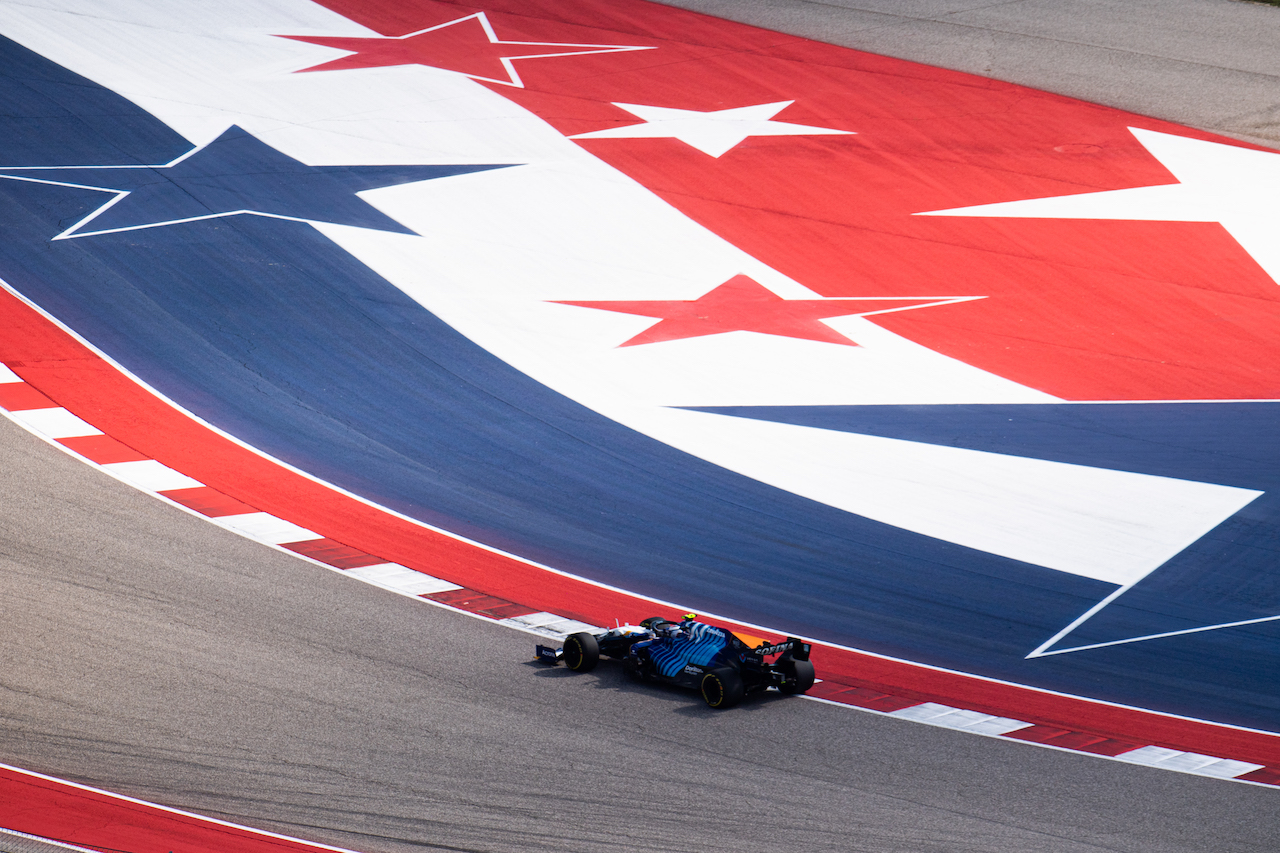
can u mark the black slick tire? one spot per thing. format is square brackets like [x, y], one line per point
[800, 676]
[581, 652]
[722, 688]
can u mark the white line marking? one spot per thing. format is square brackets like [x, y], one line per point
[7, 375]
[1080, 620]
[1038, 653]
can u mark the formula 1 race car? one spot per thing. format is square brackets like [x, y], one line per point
[693, 654]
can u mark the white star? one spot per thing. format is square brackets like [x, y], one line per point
[1236, 187]
[713, 132]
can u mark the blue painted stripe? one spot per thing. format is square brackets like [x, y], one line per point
[1230, 575]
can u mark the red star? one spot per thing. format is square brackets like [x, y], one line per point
[466, 46]
[743, 305]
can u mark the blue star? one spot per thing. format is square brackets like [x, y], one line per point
[236, 173]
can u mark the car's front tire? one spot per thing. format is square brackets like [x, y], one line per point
[722, 688]
[581, 652]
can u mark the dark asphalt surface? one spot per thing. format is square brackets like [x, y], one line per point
[148, 652]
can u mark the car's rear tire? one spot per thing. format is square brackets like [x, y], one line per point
[722, 688]
[581, 652]
[799, 676]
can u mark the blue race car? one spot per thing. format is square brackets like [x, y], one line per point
[692, 654]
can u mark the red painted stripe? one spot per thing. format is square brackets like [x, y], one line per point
[826, 689]
[478, 602]
[334, 553]
[1038, 734]
[1264, 776]
[91, 388]
[19, 396]
[209, 501]
[1107, 746]
[102, 449]
[87, 817]
[861, 697]
[1079, 741]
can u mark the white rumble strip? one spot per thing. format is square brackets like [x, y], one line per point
[55, 423]
[1188, 762]
[958, 718]
[149, 475]
[263, 526]
[548, 624]
[401, 579]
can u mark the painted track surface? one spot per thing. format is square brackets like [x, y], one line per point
[526, 756]
[315, 359]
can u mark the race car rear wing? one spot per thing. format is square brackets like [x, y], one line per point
[798, 648]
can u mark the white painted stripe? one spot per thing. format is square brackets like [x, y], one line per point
[265, 527]
[150, 475]
[550, 624]
[1150, 755]
[1113, 526]
[997, 726]
[401, 579]
[958, 718]
[923, 712]
[56, 423]
[1226, 768]
[7, 375]
[1188, 762]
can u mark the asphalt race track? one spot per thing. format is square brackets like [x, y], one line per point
[196, 669]
[149, 652]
